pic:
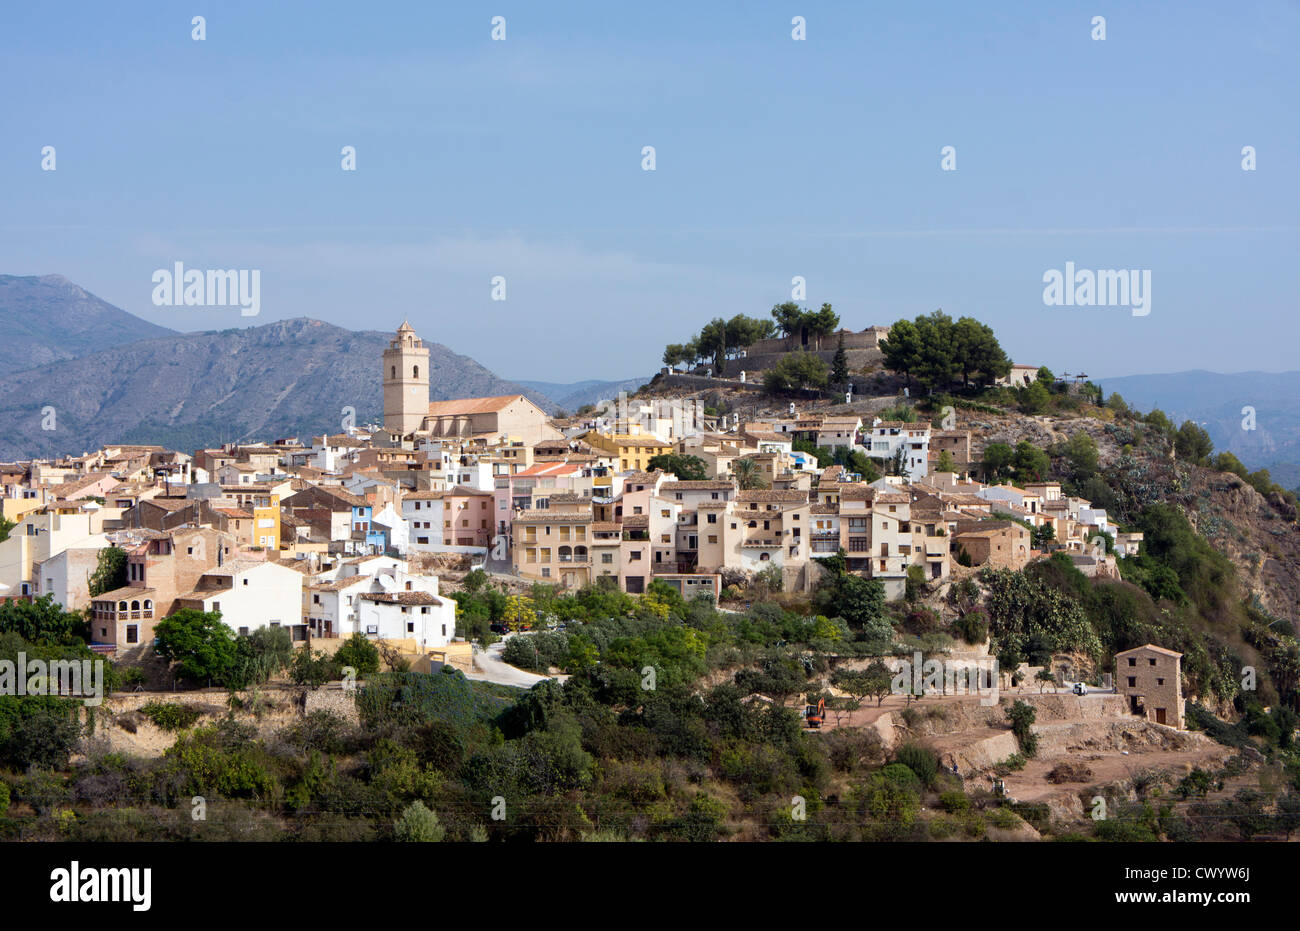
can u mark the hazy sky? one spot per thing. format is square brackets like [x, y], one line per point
[774, 158]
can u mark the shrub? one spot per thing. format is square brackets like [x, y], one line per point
[170, 716]
[1003, 818]
[418, 824]
[920, 760]
[359, 653]
[903, 777]
[973, 626]
[954, 801]
[1022, 716]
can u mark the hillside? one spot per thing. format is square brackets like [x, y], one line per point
[289, 378]
[48, 318]
[1215, 400]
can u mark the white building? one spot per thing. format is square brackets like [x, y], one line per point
[66, 576]
[376, 596]
[398, 529]
[38, 537]
[473, 473]
[422, 512]
[250, 594]
[888, 437]
[333, 606]
[422, 616]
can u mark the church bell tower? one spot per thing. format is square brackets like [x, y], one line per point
[406, 381]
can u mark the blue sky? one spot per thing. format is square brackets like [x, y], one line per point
[775, 158]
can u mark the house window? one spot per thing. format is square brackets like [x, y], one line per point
[410, 627]
[132, 633]
[607, 558]
[1132, 682]
[1132, 661]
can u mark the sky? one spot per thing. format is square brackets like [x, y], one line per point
[774, 158]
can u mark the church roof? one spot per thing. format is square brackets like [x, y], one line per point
[464, 406]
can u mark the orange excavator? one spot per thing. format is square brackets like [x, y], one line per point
[814, 714]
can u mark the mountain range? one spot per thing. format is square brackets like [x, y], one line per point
[94, 374]
[1255, 415]
[573, 395]
[91, 373]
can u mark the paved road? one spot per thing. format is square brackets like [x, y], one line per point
[490, 667]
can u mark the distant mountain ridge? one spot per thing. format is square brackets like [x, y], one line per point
[189, 390]
[47, 318]
[1216, 400]
[573, 395]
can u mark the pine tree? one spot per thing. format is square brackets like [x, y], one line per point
[840, 365]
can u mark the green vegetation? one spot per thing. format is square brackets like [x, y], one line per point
[796, 370]
[170, 716]
[203, 650]
[718, 341]
[935, 352]
[687, 468]
[110, 572]
[852, 460]
[807, 325]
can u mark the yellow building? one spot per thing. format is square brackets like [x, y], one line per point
[553, 547]
[632, 451]
[266, 521]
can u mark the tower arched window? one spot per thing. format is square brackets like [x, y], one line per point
[394, 375]
[415, 372]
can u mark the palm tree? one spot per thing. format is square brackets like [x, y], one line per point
[747, 474]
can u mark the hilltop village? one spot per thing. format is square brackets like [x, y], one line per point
[334, 536]
[665, 574]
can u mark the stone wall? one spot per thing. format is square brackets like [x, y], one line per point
[334, 700]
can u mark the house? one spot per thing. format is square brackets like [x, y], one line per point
[66, 576]
[329, 509]
[42, 535]
[631, 451]
[553, 546]
[468, 516]
[422, 513]
[161, 566]
[249, 594]
[1150, 677]
[1128, 544]
[378, 598]
[333, 606]
[1002, 544]
[909, 443]
[838, 432]
[420, 616]
[1020, 376]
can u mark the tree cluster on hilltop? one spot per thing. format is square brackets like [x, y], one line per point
[934, 351]
[719, 340]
